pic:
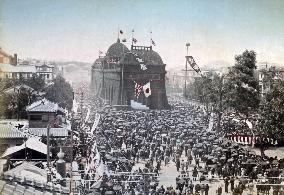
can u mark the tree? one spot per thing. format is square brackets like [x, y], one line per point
[242, 88]
[271, 122]
[208, 89]
[60, 92]
[36, 82]
[15, 103]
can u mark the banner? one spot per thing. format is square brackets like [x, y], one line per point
[88, 115]
[97, 120]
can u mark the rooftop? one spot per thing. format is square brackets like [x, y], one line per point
[56, 132]
[9, 131]
[44, 105]
[17, 69]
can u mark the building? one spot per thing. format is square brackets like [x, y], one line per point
[114, 76]
[262, 71]
[7, 59]
[9, 136]
[46, 71]
[44, 112]
[8, 71]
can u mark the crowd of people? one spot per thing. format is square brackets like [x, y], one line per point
[137, 145]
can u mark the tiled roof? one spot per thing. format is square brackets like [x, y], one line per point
[56, 132]
[22, 188]
[44, 106]
[19, 68]
[7, 131]
[18, 87]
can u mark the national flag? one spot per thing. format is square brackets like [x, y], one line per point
[147, 89]
[143, 67]
[121, 32]
[153, 42]
[138, 89]
[134, 40]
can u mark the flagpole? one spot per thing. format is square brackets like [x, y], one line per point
[118, 32]
[150, 38]
[187, 45]
[132, 37]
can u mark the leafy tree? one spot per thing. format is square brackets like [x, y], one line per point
[12, 104]
[208, 89]
[36, 82]
[60, 92]
[242, 88]
[271, 122]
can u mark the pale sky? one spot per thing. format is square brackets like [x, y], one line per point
[76, 29]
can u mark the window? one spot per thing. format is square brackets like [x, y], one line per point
[47, 76]
[45, 118]
[35, 117]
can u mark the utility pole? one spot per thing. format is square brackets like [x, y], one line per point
[187, 46]
[48, 152]
[18, 105]
[220, 103]
[81, 105]
[71, 158]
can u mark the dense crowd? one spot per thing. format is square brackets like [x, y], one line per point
[136, 145]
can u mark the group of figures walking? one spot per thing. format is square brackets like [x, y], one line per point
[137, 146]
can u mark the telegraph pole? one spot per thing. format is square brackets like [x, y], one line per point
[187, 46]
[48, 153]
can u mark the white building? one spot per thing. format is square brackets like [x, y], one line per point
[16, 72]
[45, 71]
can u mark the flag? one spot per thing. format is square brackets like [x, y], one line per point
[135, 54]
[139, 60]
[138, 89]
[114, 61]
[147, 89]
[134, 40]
[192, 63]
[97, 159]
[143, 67]
[124, 40]
[101, 169]
[97, 120]
[153, 43]
[121, 32]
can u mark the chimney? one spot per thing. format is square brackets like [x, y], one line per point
[15, 60]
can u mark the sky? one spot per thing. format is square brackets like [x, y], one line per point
[77, 29]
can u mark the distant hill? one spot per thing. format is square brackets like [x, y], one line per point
[75, 71]
[216, 64]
